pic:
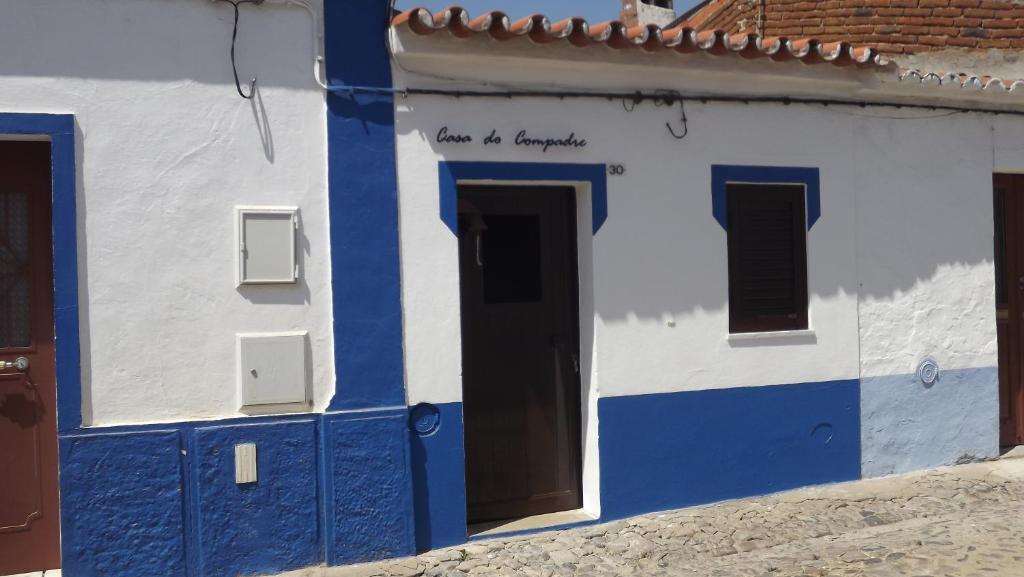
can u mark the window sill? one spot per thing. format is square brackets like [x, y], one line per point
[804, 336]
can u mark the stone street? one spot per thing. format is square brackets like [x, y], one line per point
[960, 521]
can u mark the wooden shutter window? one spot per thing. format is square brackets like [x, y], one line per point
[767, 257]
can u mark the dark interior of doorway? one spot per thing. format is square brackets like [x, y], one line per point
[520, 345]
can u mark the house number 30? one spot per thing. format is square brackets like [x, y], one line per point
[616, 169]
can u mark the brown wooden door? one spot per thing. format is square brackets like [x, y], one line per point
[1009, 265]
[520, 351]
[29, 517]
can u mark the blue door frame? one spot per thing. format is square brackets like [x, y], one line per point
[59, 129]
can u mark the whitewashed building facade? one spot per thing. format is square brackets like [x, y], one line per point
[698, 379]
[442, 273]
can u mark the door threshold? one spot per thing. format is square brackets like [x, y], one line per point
[47, 573]
[544, 521]
[1011, 452]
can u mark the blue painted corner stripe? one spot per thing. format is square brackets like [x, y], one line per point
[452, 172]
[722, 174]
[439, 479]
[363, 202]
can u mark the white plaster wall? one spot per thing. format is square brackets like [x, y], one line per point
[648, 14]
[925, 262]
[925, 245]
[659, 278]
[166, 149]
[1007, 145]
[900, 263]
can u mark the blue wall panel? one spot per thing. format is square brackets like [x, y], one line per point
[363, 198]
[368, 494]
[268, 526]
[122, 505]
[673, 450]
[439, 479]
[153, 500]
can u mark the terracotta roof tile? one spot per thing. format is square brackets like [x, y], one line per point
[893, 27]
[714, 12]
[457, 22]
[963, 81]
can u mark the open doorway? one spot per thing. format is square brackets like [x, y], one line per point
[520, 351]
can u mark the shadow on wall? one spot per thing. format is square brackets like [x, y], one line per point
[84, 334]
[144, 40]
[902, 203]
[259, 115]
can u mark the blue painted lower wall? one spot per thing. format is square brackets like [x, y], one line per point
[122, 504]
[360, 486]
[439, 479]
[368, 492]
[909, 426]
[162, 500]
[674, 450]
[266, 526]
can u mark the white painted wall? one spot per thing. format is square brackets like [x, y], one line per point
[166, 149]
[648, 14]
[925, 265]
[925, 247]
[660, 259]
[899, 265]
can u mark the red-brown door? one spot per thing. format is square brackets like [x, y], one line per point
[520, 343]
[1009, 264]
[29, 516]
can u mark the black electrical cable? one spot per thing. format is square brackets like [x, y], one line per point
[234, 36]
[638, 97]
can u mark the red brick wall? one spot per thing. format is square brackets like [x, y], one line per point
[730, 15]
[892, 26]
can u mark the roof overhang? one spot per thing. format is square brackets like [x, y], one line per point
[454, 51]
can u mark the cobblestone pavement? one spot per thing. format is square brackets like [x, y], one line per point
[962, 521]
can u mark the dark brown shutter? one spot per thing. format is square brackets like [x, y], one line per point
[767, 258]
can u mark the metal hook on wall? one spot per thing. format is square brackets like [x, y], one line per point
[632, 103]
[670, 98]
[686, 127]
[234, 37]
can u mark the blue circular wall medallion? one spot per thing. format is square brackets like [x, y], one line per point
[425, 419]
[928, 372]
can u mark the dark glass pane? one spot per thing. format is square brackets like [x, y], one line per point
[15, 280]
[510, 252]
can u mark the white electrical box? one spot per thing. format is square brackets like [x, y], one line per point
[272, 370]
[266, 245]
[245, 463]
